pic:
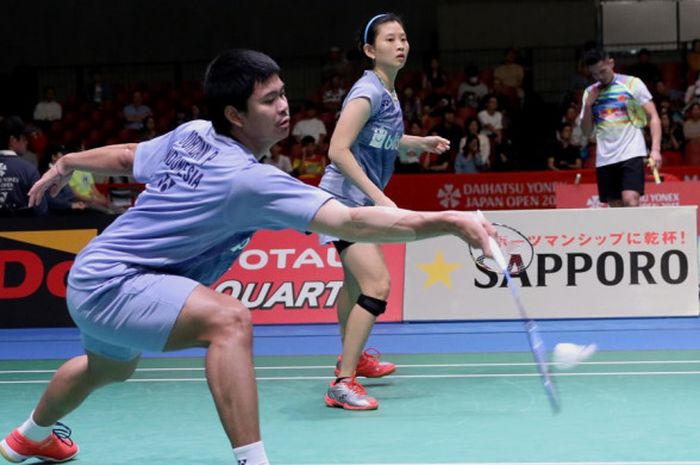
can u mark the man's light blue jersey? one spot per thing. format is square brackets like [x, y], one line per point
[375, 148]
[205, 196]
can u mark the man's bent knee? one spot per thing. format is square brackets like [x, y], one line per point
[231, 321]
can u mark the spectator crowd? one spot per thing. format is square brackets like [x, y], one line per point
[491, 116]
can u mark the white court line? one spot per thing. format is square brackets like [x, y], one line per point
[443, 376]
[433, 365]
[665, 462]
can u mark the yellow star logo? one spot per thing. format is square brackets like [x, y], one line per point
[438, 271]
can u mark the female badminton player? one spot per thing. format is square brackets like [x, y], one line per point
[362, 151]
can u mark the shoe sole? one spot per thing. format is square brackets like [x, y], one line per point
[337, 373]
[334, 403]
[12, 456]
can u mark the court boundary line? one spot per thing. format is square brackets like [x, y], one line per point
[440, 376]
[663, 462]
[434, 365]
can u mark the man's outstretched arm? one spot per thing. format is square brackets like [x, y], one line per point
[383, 224]
[109, 160]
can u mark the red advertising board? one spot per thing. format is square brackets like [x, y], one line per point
[672, 193]
[486, 191]
[288, 277]
[496, 191]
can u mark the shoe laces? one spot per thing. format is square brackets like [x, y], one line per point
[372, 355]
[62, 433]
[354, 386]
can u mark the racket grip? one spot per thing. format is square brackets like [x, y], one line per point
[657, 178]
[496, 252]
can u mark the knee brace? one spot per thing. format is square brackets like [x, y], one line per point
[375, 306]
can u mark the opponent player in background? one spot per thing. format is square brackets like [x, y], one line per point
[363, 149]
[142, 284]
[617, 107]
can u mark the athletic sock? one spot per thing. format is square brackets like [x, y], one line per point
[339, 379]
[251, 454]
[34, 432]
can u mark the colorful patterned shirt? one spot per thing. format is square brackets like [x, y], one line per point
[619, 119]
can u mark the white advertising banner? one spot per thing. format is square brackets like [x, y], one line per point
[615, 262]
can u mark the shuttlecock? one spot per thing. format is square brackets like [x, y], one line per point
[567, 355]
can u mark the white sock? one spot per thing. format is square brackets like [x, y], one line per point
[251, 454]
[31, 430]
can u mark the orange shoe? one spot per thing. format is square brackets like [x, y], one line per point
[58, 447]
[369, 365]
[350, 395]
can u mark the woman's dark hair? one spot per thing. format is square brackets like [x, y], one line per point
[470, 138]
[469, 122]
[368, 32]
[564, 125]
[230, 79]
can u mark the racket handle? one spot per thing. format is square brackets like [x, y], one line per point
[654, 170]
[496, 252]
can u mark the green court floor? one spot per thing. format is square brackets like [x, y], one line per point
[619, 408]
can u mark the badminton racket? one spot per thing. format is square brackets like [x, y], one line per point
[539, 351]
[515, 247]
[654, 170]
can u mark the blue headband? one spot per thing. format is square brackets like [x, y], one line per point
[369, 24]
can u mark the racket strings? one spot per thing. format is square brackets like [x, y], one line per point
[515, 251]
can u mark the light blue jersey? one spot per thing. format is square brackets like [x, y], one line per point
[375, 148]
[205, 196]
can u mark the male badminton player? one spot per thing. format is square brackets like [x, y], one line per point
[617, 107]
[142, 284]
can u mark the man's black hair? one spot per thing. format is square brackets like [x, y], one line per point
[594, 56]
[230, 79]
[12, 126]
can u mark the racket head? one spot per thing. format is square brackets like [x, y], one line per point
[515, 246]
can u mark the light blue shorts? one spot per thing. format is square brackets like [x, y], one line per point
[120, 320]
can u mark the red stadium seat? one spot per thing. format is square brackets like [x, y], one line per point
[94, 139]
[127, 135]
[692, 154]
[83, 127]
[109, 126]
[590, 161]
[84, 109]
[486, 76]
[671, 158]
[56, 126]
[465, 113]
[162, 125]
[453, 86]
[68, 137]
[672, 74]
[70, 118]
